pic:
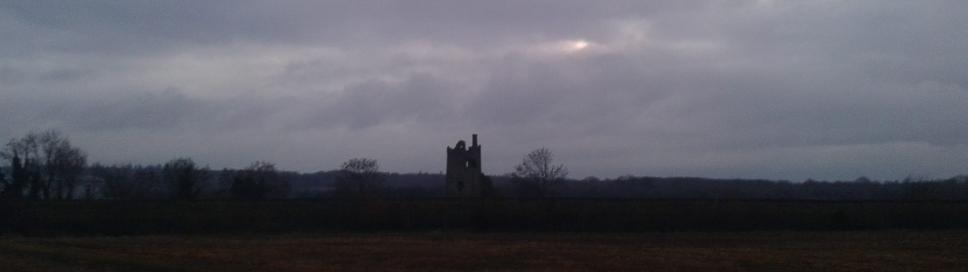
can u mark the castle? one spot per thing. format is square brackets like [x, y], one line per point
[464, 175]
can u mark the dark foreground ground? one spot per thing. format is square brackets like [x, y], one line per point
[449, 251]
[112, 218]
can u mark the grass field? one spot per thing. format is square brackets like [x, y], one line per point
[449, 251]
[86, 218]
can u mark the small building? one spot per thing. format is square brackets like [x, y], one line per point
[464, 175]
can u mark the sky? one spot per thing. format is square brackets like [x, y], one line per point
[822, 89]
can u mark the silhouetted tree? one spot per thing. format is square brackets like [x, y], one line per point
[3, 181]
[259, 181]
[359, 178]
[115, 181]
[224, 183]
[127, 181]
[149, 182]
[184, 178]
[13, 188]
[23, 156]
[45, 164]
[537, 175]
[63, 164]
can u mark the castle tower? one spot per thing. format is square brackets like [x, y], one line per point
[464, 175]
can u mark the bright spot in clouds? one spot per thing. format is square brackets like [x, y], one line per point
[579, 45]
[563, 47]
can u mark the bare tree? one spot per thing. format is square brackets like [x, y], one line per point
[537, 175]
[127, 181]
[63, 164]
[259, 181]
[14, 188]
[115, 181]
[25, 171]
[184, 178]
[359, 178]
[3, 181]
[46, 164]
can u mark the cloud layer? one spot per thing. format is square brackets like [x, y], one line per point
[756, 89]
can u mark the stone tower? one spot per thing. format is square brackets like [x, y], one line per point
[464, 176]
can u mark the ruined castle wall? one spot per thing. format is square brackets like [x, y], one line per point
[464, 175]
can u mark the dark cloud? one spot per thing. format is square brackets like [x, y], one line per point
[421, 99]
[164, 110]
[758, 88]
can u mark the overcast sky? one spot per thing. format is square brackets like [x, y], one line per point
[798, 89]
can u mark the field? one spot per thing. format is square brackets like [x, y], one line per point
[483, 235]
[46, 218]
[449, 251]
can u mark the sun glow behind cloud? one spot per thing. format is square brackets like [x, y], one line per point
[578, 45]
[563, 47]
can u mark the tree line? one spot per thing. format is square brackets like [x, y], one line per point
[47, 166]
